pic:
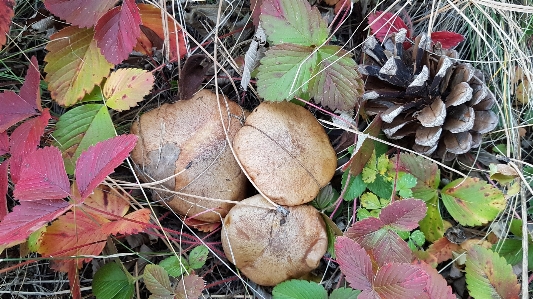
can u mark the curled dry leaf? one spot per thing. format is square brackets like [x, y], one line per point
[187, 138]
[286, 152]
[269, 247]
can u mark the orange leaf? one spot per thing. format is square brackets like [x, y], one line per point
[126, 87]
[75, 65]
[111, 202]
[151, 19]
[127, 226]
[442, 249]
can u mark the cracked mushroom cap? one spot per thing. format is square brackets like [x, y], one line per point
[286, 152]
[269, 247]
[187, 137]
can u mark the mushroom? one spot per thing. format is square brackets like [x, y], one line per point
[286, 152]
[187, 139]
[270, 247]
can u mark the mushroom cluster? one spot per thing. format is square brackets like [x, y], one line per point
[283, 149]
[288, 156]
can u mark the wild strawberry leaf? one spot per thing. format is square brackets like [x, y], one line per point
[489, 276]
[80, 13]
[28, 217]
[403, 214]
[75, 233]
[157, 282]
[175, 266]
[134, 222]
[189, 286]
[4, 143]
[6, 13]
[24, 140]
[198, 256]
[437, 287]
[112, 282]
[472, 202]
[80, 128]
[126, 87]
[75, 64]
[285, 71]
[3, 189]
[151, 20]
[511, 250]
[19, 107]
[373, 235]
[42, 176]
[447, 39]
[116, 32]
[426, 172]
[344, 293]
[335, 81]
[354, 262]
[295, 22]
[299, 289]
[385, 23]
[395, 280]
[100, 160]
[30, 91]
[442, 249]
[85, 229]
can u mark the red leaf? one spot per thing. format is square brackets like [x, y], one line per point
[384, 243]
[117, 31]
[354, 262]
[437, 287]
[400, 281]
[4, 143]
[43, 176]
[404, 214]
[385, 23]
[74, 278]
[14, 109]
[100, 160]
[28, 217]
[81, 13]
[189, 286]
[447, 39]
[25, 140]
[255, 6]
[3, 189]
[30, 91]
[6, 13]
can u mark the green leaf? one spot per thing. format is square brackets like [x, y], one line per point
[404, 184]
[489, 276]
[363, 213]
[370, 201]
[335, 82]
[299, 289]
[381, 187]
[356, 186]
[326, 198]
[332, 231]
[157, 282]
[370, 170]
[198, 256]
[175, 266]
[111, 282]
[472, 202]
[344, 293]
[382, 164]
[511, 250]
[285, 71]
[289, 21]
[432, 225]
[426, 172]
[80, 128]
[418, 238]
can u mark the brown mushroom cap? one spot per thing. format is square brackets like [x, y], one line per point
[269, 247]
[286, 152]
[188, 137]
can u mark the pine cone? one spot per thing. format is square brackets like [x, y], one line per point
[427, 100]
